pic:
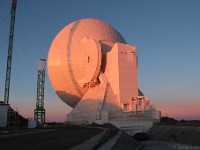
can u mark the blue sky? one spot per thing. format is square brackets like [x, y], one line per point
[165, 32]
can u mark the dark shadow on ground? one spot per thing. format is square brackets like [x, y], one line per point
[126, 142]
[62, 138]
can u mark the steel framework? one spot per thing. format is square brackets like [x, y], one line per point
[10, 47]
[39, 112]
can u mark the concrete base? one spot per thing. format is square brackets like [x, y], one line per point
[140, 122]
[134, 124]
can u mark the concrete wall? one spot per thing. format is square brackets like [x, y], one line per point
[186, 135]
[132, 126]
[99, 117]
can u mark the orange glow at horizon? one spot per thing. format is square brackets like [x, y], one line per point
[185, 110]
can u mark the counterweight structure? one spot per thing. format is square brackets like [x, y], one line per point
[39, 112]
[10, 47]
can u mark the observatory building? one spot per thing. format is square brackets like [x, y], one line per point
[93, 70]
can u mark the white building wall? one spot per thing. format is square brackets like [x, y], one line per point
[3, 115]
[32, 123]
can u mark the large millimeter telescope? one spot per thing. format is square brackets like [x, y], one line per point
[93, 70]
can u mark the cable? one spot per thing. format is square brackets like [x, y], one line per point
[39, 29]
[2, 3]
[5, 19]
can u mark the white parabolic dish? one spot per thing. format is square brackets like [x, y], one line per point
[68, 57]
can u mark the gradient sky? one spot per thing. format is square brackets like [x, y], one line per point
[165, 32]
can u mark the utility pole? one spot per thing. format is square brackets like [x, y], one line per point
[39, 112]
[10, 47]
